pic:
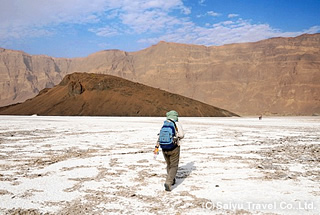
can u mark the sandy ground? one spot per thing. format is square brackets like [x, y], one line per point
[105, 165]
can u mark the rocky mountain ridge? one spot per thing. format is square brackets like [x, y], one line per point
[88, 94]
[278, 76]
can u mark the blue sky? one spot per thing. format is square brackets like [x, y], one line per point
[77, 28]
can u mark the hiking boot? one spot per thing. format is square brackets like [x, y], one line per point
[167, 187]
[174, 182]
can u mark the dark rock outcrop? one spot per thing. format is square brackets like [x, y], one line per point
[84, 94]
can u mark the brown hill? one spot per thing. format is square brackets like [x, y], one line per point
[105, 95]
[274, 76]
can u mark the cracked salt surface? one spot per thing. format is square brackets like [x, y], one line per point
[105, 165]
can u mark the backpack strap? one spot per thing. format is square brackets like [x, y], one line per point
[175, 126]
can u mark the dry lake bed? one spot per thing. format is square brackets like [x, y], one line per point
[105, 165]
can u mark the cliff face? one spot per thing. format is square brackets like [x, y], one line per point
[23, 76]
[104, 95]
[274, 76]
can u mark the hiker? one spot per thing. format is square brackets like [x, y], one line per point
[169, 140]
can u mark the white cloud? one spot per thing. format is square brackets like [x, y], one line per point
[232, 15]
[202, 2]
[212, 13]
[18, 17]
[225, 33]
[209, 13]
[149, 21]
[312, 30]
[227, 23]
[145, 16]
[19, 32]
[109, 18]
[34, 18]
[39, 13]
[105, 31]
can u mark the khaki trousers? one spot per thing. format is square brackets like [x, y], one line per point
[172, 160]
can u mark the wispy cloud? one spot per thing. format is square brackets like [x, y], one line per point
[164, 20]
[209, 13]
[232, 15]
[105, 31]
[202, 2]
[40, 13]
[224, 33]
[212, 13]
[34, 18]
[139, 16]
[145, 16]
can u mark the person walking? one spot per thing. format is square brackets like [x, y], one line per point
[169, 140]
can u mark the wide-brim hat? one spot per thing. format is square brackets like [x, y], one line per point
[173, 115]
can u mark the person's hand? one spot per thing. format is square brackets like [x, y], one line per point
[156, 151]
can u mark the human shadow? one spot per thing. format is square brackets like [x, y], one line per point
[183, 173]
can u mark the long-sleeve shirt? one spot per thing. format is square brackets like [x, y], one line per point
[180, 132]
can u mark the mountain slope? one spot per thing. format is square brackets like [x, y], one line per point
[84, 94]
[274, 76]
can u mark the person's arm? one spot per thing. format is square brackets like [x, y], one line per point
[156, 148]
[157, 145]
[180, 130]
